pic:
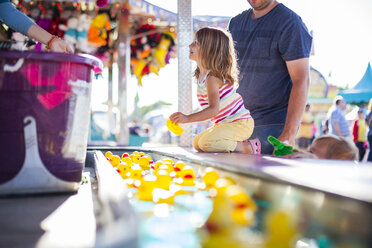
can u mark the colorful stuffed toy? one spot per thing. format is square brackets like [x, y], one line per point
[71, 33]
[97, 33]
[138, 66]
[152, 39]
[58, 20]
[280, 149]
[141, 47]
[154, 68]
[163, 49]
[20, 41]
[101, 3]
[54, 25]
[82, 33]
[150, 52]
[62, 26]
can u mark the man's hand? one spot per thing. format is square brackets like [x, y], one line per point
[287, 138]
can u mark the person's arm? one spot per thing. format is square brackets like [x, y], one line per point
[337, 128]
[212, 84]
[334, 121]
[299, 71]
[39, 34]
[15, 19]
[23, 24]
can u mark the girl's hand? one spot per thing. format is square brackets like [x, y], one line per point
[178, 117]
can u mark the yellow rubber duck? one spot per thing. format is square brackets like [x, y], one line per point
[124, 168]
[209, 177]
[115, 160]
[188, 176]
[163, 179]
[108, 155]
[146, 188]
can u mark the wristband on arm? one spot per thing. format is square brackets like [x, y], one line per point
[49, 44]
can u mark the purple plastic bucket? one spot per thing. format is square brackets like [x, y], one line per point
[51, 91]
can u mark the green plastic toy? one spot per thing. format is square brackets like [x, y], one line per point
[280, 149]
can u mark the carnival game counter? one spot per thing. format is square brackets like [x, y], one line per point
[330, 202]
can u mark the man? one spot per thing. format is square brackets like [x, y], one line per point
[338, 124]
[273, 47]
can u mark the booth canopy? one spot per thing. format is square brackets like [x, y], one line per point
[361, 92]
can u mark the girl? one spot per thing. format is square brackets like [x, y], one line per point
[216, 73]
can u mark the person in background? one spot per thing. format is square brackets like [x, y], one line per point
[305, 131]
[216, 74]
[314, 130]
[23, 24]
[273, 46]
[325, 126]
[329, 147]
[369, 135]
[359, 134]
[337, 121]
[134, 127]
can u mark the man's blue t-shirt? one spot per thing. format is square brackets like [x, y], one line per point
[338, 116]
[263, 46]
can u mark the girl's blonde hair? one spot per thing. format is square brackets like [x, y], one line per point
[217, 54]
[337, 147]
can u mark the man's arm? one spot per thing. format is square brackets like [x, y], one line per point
[337, 128]
[299, 71]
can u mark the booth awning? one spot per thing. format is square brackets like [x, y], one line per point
[361, 92]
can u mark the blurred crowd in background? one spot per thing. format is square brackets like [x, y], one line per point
[352, 126]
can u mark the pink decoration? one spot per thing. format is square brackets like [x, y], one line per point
[60, 79]
[101, 3]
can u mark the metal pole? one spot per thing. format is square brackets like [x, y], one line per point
[184, 37]
[109, 88]
[110, 106]
[124, 70]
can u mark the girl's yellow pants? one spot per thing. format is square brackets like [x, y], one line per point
[223, 137]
